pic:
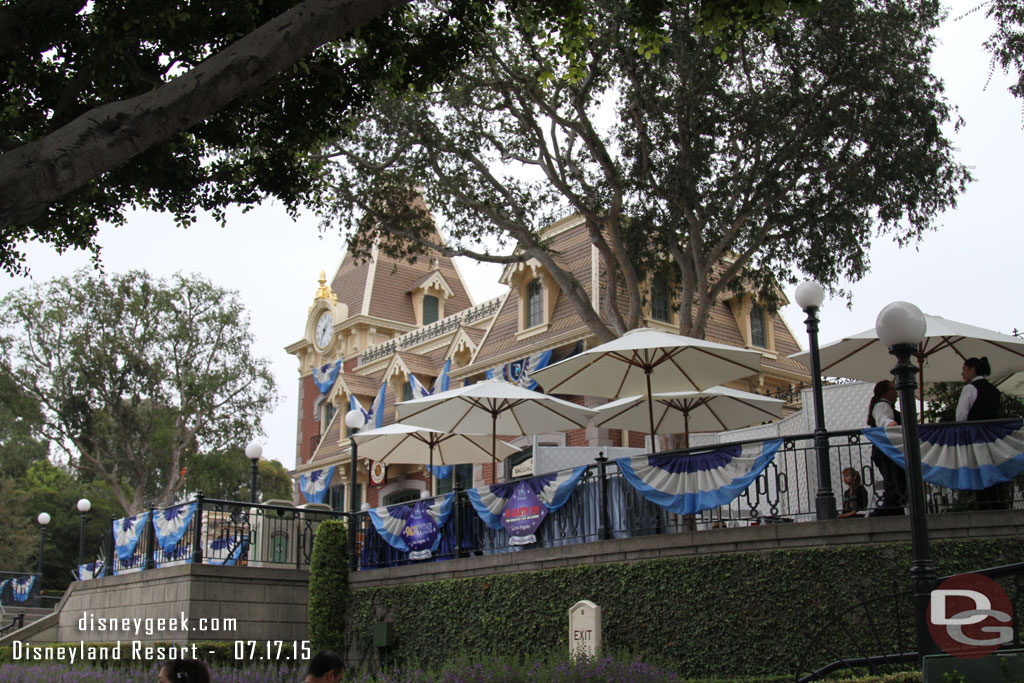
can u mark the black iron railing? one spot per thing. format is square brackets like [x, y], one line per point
[606, 506]
[224, 532]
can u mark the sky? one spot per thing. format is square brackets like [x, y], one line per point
[968, 270]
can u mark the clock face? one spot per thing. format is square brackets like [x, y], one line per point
[324, 329]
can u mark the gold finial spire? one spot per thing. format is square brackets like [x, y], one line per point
[324, 292]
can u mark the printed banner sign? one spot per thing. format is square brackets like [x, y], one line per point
[414, 528]
[965, 456]
[550, 490]
[523, 514]
[518, 371]
[689, 483]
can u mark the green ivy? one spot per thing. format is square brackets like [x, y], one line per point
[740, 614]
[328, 587]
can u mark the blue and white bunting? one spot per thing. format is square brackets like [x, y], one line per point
[518, 371]
[170, 525]
[226, 551]
[440, 384]
[375, 415]
[127, 532]
[441, 471]
[687, 484]
[314, 484]
[91, 570]
[22, 587]
[3, 585]
[553, 490]
[391, 523]
[326, 375]
[964, 456]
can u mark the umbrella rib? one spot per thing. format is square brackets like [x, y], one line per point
[543, 404]
[754, 406]
[684, 373]
[575, 372]
[726, 359]
[839, 360]
[472, 404]
[622, 412]
[1004, 347]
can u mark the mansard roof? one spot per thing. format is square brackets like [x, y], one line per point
[380, 286]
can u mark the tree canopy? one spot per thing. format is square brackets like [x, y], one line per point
[786, 158]
[134, 375]
[1007, 40]
[115, 105]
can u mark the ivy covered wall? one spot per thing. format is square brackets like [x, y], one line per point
[752, 613]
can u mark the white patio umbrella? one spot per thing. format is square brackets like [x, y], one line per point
[712, 410]
[646, 361]
[940, 355]
[404, 444]
[493, 407]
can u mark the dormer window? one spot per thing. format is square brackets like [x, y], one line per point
[430, 309]
[534, 303]
[758, 328]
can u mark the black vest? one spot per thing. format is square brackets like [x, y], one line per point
[986, 406]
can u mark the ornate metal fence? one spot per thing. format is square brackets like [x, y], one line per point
[605, 506]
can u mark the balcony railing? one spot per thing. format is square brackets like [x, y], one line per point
[605, 506]
[447, 324]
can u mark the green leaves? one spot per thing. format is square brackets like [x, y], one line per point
[134, 375]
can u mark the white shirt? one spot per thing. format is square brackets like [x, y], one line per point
[883, 414]
[968, 395]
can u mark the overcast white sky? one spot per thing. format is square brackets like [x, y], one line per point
[970, 270]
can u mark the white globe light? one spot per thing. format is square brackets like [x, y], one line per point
[84, 505]
[424, 495]
[900, 323]
[253, 451]
[43, 518]
[365, 507]
[809, 294]
[354, 419]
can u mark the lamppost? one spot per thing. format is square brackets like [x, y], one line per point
[253, 451]
[43, 519]
[901, 327]
[354, 420]
[809, 296]
[83, 513]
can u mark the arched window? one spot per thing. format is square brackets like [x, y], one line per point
[534, 303]
[758, 330]
[430, 309]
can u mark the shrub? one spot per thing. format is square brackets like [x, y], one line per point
[328, 588]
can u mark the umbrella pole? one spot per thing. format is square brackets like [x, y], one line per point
[920, 387]
[494, 448]
[430, 470]
[686, 426]
[650, 405]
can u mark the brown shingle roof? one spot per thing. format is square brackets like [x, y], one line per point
[573, 253]
[392, 281]
[361, 385]
[419, 364]
[421, 281]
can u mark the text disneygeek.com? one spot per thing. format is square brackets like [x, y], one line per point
[150, 626]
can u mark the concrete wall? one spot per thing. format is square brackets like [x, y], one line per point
[267, 604]
[769, 537]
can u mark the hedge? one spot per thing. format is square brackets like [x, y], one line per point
[741, 614]
[328, 587]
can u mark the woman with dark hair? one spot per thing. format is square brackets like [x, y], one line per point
[184, 671]
[979, 400]
[882, 413]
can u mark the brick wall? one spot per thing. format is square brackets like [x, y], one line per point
[308, 427]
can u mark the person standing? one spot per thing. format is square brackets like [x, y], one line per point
[979, 400]
[882, 413]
